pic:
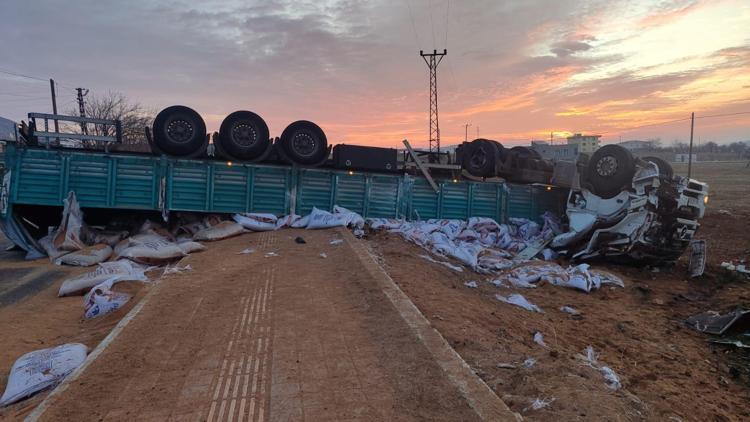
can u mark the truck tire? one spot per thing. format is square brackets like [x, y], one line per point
[481, 157]
[179, 131]
[665, 169]
[610, 170]
[243, 135]
[304, 142]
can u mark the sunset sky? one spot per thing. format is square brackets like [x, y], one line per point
[515, 70]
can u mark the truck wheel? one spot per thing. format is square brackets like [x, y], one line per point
[304, 142]
[481, 157]
[243, 135]
[179, 130]
[665, 169]
[610, 170]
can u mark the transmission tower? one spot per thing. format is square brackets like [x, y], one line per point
[433, 60]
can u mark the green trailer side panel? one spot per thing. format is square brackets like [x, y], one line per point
[384, 196]
[129, 181]
[271, 187]
[188, 186]
[229, 193]
[351, 191]
[314, 189]
[455, 200]
[38, 178]
[487, 201]
[136, 183]
[425, 203]
[89, 177]
[520, 201]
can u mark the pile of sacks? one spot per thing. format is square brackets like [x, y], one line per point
[480, 243]
[579, 277]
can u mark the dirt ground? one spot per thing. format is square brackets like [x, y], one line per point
[668, 371]
[32, 317]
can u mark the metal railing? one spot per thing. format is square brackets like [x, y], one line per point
[47, 135]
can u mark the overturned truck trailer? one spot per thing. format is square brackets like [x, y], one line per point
[614, 205]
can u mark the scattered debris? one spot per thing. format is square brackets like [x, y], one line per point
[41, 369]
[569, 310]
[246, 251]
[270, 254]
[506, 366]
[447, 264]
[712, 322]
[741, 341]
[578, 277]
[539, 339]
[539, 404]
[323, 255]
[176, 269]
[299, 240]
[740, 268]
[471, 284]
[613, 381]
[518, 300]
[336, 242]
[469, 241]
[529, 363]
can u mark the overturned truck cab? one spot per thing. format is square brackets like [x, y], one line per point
[630, 209]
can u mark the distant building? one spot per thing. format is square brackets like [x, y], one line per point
[684, 158]
[562, 152]
[586, 143]
[636, 145]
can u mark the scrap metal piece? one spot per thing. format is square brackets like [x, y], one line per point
[712, 322]
[697, 264]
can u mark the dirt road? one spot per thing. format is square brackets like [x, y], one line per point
[278, 334]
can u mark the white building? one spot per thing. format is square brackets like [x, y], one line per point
[684, 158]
[560, 152]
[586, 143]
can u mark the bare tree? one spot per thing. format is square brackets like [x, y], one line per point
[116, 106]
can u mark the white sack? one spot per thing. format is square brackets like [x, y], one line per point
[256, 222]
[68, 235]
[101, 300]
[189, 246]
[41, 369]
[321, 219]
[302, 222]
[223, 230]
[149, 250]
[47, 243]
[86, 257]
[286, 221]
[123, 270]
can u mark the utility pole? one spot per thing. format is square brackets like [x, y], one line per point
[433, 60]
[54, 103]
[690, 149]
[82, 109]
[550, 138]
[466, 132]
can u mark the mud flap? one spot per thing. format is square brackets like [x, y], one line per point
[697, 258]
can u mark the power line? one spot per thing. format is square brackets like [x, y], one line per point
[21, 75]
[723, 115]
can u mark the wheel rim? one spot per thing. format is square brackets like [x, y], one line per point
[606, 166]
[244, 134]
[479, 158]
[304, 144]
[180, 130]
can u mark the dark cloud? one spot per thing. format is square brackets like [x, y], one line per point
[566, 48]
